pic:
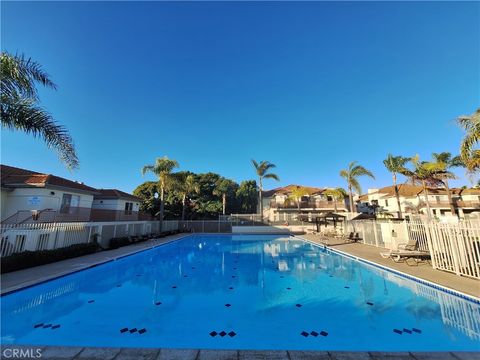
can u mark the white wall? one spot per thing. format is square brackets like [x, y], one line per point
[113, 204]
[37, 199]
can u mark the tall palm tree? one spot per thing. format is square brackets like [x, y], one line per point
[395, 165]
[427, 174]
[262, 169]
[19, 105]
[468, 149]
[162, 168]
[351, 175]
[185, 185]
[337, 194]
[296, 195]
[447, 161]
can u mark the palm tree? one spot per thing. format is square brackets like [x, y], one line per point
[468, 152]
[262, 169]
[337, 194]
[162, 168]
[19, 105]
[351, 175]
[427, 174]
[185, 185]
[296, 195]
[396, 164]
[447, 162]
[222, 187]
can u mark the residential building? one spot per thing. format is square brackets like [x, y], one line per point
[29, 196]
[466, 202]
[279, 205]
[115, 205]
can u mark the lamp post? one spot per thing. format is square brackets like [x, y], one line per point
[155, 195]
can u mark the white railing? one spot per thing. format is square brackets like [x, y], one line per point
[455, 247]
[17, 238]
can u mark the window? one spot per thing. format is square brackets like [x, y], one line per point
[69, 202]
[386, 202]
[128, 208]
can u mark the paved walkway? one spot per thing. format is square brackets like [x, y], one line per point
[422, 270]
[26, 277]
[78, 353]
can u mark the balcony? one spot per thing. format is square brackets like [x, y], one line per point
[314, 205]
[468, 204]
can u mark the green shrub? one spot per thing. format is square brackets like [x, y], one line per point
[115, 243]
[27, 259]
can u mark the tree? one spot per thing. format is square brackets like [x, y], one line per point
[185, 184]
[162, 168]
[20, 110]
[395, 165]
[468, 149]
[337, 194]
[427, 174]
[262, 170]
[296, 195]
[351, 175]
[446, 162]
[146, 192]
[223, 187]
[246, 195]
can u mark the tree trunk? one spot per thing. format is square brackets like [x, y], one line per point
[184, 200]
[450, 200]
[426, 199]
[224, 203]
[351, 198]
[335, 204]
[162, 195]
[260, 205]
[397, 195]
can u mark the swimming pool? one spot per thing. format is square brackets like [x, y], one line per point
[240, 292]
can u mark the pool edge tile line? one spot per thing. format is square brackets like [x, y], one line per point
[443, 288]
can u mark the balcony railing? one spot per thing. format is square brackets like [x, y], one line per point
[468, 204]
[74, 214]
[328, 205]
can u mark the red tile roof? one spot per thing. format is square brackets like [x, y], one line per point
[116, 194]
[15, 177]
[287, 189]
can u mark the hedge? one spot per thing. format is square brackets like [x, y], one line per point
[27, 259]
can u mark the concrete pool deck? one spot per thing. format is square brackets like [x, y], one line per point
[79, 353]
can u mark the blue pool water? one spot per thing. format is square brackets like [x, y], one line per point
[242, 292]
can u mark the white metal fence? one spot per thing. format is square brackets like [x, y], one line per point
[454, 247]
[48, 236]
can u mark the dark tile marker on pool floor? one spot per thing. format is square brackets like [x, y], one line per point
[298, 305]
[304, 333]
[228, 305]
[222, 334]
[407, 331]
[47, 326]
[37, 325]
[124, 330]
[314, 333]
[174, 287]
[119, 285]
[398, 331]
[141, 331]
[91, 301]
[418, 331]
[323, 333]
[230, 288]
[213, 334]
[158, 303]
[232, 333]
[133, 330]
[288, 288]
[369, 303]
[55, 327]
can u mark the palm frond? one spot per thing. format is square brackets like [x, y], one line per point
[23, 114]
[272, 176]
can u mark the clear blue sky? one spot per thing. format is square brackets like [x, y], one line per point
[308, 86]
